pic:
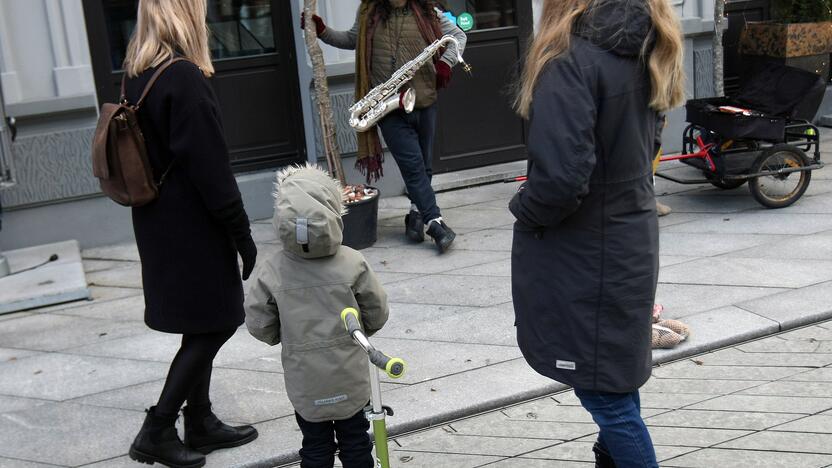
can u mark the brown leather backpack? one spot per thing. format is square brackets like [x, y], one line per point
[119, 154]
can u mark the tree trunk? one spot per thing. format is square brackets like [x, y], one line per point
[328, 129]
[719, 60]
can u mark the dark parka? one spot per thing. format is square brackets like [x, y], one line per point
[186, 238]
[585, 250]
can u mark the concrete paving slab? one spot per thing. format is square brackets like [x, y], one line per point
[706, 386]
[717, 328]
[9, 404]
[11, 463]
[455, 327]
[816, 424]
[429, 360]
[778, 345]
[61, 377]
[428, 460]
[37, 282]
[452, 394]
[123, 252]
[452, 290]
[67, 434]
[129, 276]
[709, 245]
[415, 261]
[766, 404]
[403, 315]
[795, 308]
[498, 425]
[763, 222]
[736, 357]
[733, 458]
[756, 272]
[791, 388]
[668, 260]
[796, 442]
[682, 300]
[92, 266]
[454, 442]
[702, 419]
[704, 370]
[146, 346]
[501, 268]
[533, 463]
[813, 333]
[10, 354]
[46, 332]
[702, 203]
[679, 219]
[813, 247]
[485, 240]
[657, 401]
[814, 375]
[263, 233]
[130, 308]
[693, 437]
[547, 409]
[386, 278]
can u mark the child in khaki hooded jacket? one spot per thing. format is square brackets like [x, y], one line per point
[296, 299]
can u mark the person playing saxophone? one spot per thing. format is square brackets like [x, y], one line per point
[386, 35]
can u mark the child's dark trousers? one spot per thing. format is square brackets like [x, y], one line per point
[318, 449]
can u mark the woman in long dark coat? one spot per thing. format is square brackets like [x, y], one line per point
[585, 251]
[189, 238]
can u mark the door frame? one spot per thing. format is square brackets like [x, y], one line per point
[108, 81]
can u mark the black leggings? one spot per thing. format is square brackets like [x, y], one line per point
[189, 377]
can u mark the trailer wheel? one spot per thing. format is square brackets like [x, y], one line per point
[779, 190]
[724, 184]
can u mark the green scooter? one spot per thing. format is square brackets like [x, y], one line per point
[394, 367]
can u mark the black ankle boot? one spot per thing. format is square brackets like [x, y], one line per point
[158, 442]
[602, 457]
[442, 235]
[204, 432]
[414, 226]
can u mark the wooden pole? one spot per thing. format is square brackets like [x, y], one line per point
[328, 129]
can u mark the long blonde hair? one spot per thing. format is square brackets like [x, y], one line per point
[165, 28]
[557, 22]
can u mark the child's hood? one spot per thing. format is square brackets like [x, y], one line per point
[308, 211]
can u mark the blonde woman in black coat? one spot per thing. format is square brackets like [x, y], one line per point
[586, 241]
[190, 237]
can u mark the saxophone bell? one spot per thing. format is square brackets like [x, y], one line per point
[404, 100]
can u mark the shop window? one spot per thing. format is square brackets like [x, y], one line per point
[238, 28]
[486, 14]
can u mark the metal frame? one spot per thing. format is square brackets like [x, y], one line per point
[800, 134]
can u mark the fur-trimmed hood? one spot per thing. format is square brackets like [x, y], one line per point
[308, 209]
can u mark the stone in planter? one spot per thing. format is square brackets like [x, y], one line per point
[801, 45]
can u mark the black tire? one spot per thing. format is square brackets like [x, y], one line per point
[776, 191]
[724, 184]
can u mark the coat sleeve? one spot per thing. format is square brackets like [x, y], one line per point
[197, 141]
[449, 28]
[262, 317]
[372, 300]
[561, 146]
[341, 39]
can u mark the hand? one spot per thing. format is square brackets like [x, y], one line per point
[320, 27]
[248, 252]
[443, 74]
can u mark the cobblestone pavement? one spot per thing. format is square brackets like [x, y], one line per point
[765, 403]
[75, 378]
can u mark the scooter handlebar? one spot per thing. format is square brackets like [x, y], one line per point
[393, 367]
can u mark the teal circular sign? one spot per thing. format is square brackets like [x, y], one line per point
[465, 21]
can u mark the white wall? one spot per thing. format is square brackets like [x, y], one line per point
[44, 56]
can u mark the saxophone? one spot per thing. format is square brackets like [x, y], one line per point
[386, 97]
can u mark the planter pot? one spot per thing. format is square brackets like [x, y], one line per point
[783, 40]
[361, 223]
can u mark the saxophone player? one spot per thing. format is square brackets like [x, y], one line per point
[386, 35]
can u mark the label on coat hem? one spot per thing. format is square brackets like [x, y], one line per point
[567, 365]
[332, 400]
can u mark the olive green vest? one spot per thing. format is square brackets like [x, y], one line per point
[396, 42]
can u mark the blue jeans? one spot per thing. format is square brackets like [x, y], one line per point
[410, 138]
[623, 433]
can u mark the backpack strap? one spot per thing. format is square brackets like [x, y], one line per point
[150, 83]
